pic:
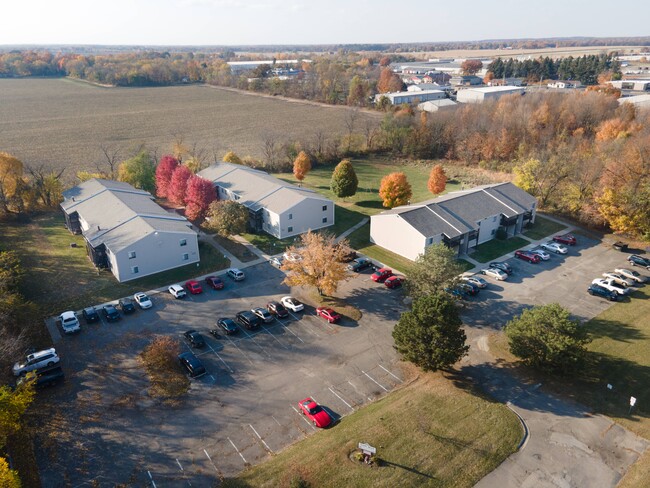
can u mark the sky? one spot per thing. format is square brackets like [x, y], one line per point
[258, 22]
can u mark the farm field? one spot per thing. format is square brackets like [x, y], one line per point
[62, 123]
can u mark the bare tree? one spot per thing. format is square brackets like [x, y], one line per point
[112, 158]
[46, 183]
[370, 131]
[350, 120]
[270, 149]
[320, 142]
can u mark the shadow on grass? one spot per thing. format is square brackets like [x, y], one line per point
[371, 204]
[385, 462]
[618, 331]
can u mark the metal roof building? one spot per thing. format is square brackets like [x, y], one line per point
[478, 95]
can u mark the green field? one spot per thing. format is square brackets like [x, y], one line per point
[428, 434]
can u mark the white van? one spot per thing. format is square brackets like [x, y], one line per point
[36, 361]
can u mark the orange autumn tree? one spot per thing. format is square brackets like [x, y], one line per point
[301, 165]
[437, 180]
[395, 190]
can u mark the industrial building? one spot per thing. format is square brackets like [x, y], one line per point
[479, 95]
[634, 85]
[398, 98]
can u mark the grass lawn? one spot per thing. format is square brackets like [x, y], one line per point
[495, 248]
[360, 240]
[62, 278]
[429, 433]
[237, 249]
[543, 228]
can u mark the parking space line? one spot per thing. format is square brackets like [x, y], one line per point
[260, 438]
[374, 381]
[151, 478]
[327, 323]
[289, 330]
[339, 397]
[252, 338]
[212, 462]
[389, 373]
[278, 340]
[308, 326]
[303, 417]
[276, 421]
[243, 353]
[221, 359]
[240, 454]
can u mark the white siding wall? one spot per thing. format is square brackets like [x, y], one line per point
[306, 215]
[487, 226]
[153, 254]
[271, 223]
[469, 96]
[393, 233]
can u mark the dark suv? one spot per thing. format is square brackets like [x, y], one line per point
[636, 260]
[46, 377]
[192, 364]
[601, 291]
[505, 267]
[359, 264]
[126, 305]
[248, 319]
[277, 309]
[111, 313]
[90, 314]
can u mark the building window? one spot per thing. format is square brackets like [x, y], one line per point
[324, 208]
[186, 257]
[494, 219]
[290, 216]
[429, 241]
[494, 231]
[183, 242]
[290, 229]
[131, 254]
[135, 270]
[324, 220]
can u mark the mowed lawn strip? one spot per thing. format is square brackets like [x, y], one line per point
[496, 248]
[429, 433]
[360, 240]
[543, 228]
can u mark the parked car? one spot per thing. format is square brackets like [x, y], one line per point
[143, 301]
[544, 256]
[505, 267]
[611, 286]
[381, 275]
[45, 377]
[192, 364]
[292, 304]
[566, 239]
[248, 319]
[631, 274]
[177, 291]
[292, 257]
[111, 314]
[126, 305]
[528, 256]
[328, 314]
[393, 282]
[69, 322]
[36, 360]
[90, 314]
[619, 278]
[495, 273]
[468, 288]
[347, 254]
[620, 246]
[276, 261]
[476, 281]
[277, 309]
[636, 260]
[554, 247]
[314, 412]
[194, 287]
[263, 314]
[195, 338]
[601, 291]
[359, 264]
[228, 326]
[215, 282]
[236, 274]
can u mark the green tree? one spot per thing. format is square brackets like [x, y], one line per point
[139, 171]
[546, 338]
[344, 180]
[430, 335]
[226, 218]
[359, 92]
[433, 272]
[12, 406]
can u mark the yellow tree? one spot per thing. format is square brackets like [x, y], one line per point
[437, 180]
[11, 179]
[12, 406]
[232, 158]
[320, 264]
[8, 477]
[395, 190]
[301, 165]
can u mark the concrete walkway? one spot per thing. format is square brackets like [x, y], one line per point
[343, 235]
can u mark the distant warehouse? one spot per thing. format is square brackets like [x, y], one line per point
[399, 98]
[479, 95]
[634, 85]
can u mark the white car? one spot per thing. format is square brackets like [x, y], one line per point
[495, 273]
[554, 247]
[611, 286]
[143, 301]
[618, 278]
[292, 304]
[292, 257]
[263, 314]
[630, 274]
[177, 291]
[543, 255]
[35, 361]
[69, 322]
[276, 261]
[236, 274]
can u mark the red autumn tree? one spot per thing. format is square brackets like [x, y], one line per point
[200, 194]
[301, 165]
[164, 171]
[437, 180]
[471, 66]
[389, 82]
[395, 190]
[178, 185]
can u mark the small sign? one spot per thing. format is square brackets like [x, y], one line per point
[632, 401]
[367, 448]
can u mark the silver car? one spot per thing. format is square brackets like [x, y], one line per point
[631, 275]
[554, 247]
[495, 273]
[543, 255]
[35, 361]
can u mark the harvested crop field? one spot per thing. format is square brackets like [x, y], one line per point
[63, 123]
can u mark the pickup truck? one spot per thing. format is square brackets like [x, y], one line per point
[611, 285]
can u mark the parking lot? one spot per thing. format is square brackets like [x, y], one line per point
[244, 409]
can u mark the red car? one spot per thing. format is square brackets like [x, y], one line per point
[528, 256]
[214, 282]
[394, 282]
[382, 274]
[328, 314]
[316, 413]
[194, 287]
[566, 239]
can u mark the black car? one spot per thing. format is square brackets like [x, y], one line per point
[248, 319]
[505, 267]
[46, 377]
[90, 314]
[277, 309]
[601, 291]
[195, 338]
[620, 246]
[360, 264]
[126, 305]
[192, 364]
[227, 326]
[469, 288]
[111, 313]
[636, 260]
